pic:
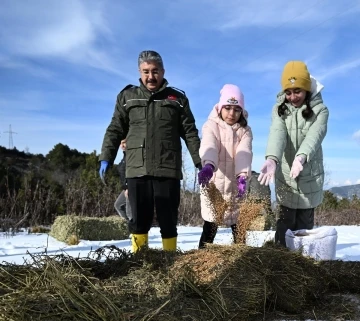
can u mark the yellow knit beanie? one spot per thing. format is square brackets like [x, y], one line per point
[296, 75]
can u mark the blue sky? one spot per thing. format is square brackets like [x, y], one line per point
[62, 63]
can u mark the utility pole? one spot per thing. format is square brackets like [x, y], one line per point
[11, 143]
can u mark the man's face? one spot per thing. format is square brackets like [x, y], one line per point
[152, 75]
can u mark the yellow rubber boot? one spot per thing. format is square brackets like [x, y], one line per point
[138, 241]
[169, 244]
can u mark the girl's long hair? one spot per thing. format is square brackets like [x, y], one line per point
[306, 113]
[242, 120]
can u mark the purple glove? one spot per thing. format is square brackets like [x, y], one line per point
[241, 185]
[205, 175]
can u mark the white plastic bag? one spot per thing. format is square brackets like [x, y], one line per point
[319, 243]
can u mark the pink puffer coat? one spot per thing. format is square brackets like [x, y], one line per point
[229, 150]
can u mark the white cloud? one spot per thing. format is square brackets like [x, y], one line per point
[9, 63]
[332, 183]
[63, 30]
[277, 14]
[30, 100]
[71, 31]
[348, 182]
[356, 136]
[358, 181]
[337, 70]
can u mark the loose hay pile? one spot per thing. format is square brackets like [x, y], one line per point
[217, 283]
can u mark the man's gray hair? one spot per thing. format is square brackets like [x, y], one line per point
[150, 56]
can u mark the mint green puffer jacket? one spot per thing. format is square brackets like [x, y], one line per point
[292, 135]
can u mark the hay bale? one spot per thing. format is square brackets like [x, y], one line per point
[246, 280]
[226, 285]
[89, 228]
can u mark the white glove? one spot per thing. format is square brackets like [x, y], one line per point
[267, 172]
[297, 166]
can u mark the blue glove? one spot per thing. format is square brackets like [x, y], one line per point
[205, 174]
[103, 168]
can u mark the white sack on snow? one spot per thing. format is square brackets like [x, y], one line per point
[319, 243]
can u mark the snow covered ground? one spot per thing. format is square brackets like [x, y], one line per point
[14, 249]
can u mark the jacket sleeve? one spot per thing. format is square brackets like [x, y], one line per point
[244, 154]
[122, 171]
[189, 133]
[315, 135]
[210, 146]
[116, 131]
[277, 137]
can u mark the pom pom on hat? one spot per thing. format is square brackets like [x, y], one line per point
[231, 95]
[296, 75]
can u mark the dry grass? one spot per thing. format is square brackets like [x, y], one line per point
[73, 240]
[217, 283]
[336, 217]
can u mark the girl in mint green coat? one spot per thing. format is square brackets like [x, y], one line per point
[294, 154]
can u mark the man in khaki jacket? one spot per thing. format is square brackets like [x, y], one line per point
[153, 118]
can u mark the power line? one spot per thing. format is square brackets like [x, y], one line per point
[10, 132]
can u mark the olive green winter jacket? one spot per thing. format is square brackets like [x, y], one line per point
[291, 135]
[153, 124]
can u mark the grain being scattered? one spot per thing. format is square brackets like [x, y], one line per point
[251, 211]
[251, 218]
[216, 202]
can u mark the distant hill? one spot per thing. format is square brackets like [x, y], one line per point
[346, 191]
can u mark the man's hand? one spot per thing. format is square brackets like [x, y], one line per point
[103, 168]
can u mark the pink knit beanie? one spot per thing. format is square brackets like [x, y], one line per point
[231, 95]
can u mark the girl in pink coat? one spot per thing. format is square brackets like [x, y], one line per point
[226, 156]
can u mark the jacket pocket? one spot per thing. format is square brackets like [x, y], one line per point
[317, 168]
[137, 109]
[169, 110]
[135, 152]
[170, 155]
